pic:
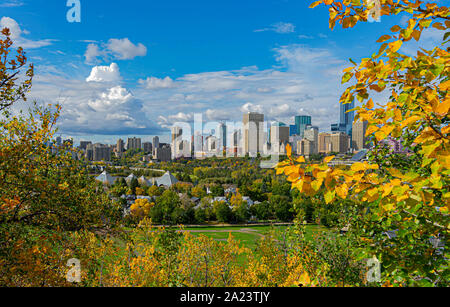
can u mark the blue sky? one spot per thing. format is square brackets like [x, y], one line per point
[135, 67]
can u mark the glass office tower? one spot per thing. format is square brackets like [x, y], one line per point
[301, 122]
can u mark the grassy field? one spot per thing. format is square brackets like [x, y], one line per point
[248, 235]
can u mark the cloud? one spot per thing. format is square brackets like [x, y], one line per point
[167, 122]
[218, 114]
[303, 36]
[123, 49]
[114, 49]
[112, 99]
[152, 83]
[17, 35]
[283, 110]
[280, 27]
[92, 53]
[250, 107]
[94, 108]
[109, 73]
[12, 3]
[304, 80]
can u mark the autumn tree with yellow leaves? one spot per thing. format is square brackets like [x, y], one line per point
[45, 195]
[402, 207]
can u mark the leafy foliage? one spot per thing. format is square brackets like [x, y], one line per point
[413, 201]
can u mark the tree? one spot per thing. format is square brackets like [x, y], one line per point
[282, 207]
[261, 210]
[198, 192]
[411, 202]
[10, 69]
[154, 191]
[141, 208]
[45, 196]
[223, 212]
[133, 185]
[217, 190]
[241, 213]
[166, 204]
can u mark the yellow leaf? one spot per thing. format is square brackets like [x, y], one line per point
[410, 120]
[395, 46]
[438, 26]
[416, 35]
[328, 159]
[289, 150]
[396, 28]
[329, 196]
[290, 169]
[445, 86]
[443, 107]
[384, 38]
[301, 159]
[356, 167]
[342, 191]
[314, 4]
[280, 170]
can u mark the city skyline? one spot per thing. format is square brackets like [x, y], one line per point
[114, 81]
[253, 136]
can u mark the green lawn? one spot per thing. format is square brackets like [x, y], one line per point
[248, 235]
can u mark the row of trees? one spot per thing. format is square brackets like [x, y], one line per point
[169, 208]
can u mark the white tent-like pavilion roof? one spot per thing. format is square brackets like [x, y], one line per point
[105, 178]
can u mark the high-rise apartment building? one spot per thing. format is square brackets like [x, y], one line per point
[163, 153]
[89, 154]
[177, 133]
[340, 142]
[155, 142]
[324, 143]
[293, 140]
[222, 136]
[212, 144]
[84, 144]
[197, 144]
[147, 146]
[312, 134]
[120, 147]
[236, 143]
[279, 137]
[134, 143]
[359, 140]
[253, 125]
[305, 147]
[98, 152]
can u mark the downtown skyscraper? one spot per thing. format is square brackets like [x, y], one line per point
[346, 119]
[301, 122]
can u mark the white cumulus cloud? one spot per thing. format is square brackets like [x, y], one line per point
[124, 49]
[17, 35]
[114, 49]
[153, 83]
[109, 73]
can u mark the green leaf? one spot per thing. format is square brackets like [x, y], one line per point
[347, 76]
